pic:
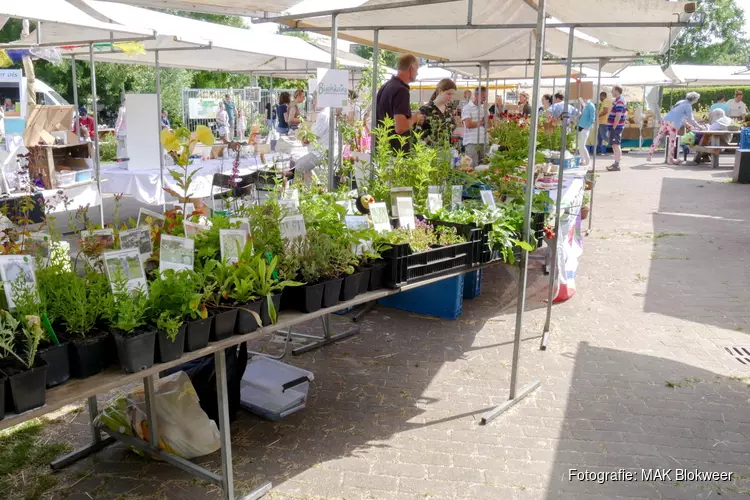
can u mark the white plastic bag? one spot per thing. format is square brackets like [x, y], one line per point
[184, 428]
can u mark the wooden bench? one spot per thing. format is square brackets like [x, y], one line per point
[714, 151]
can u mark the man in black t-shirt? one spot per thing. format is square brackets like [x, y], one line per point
[393, 101]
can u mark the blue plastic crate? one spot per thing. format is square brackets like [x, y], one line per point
[473, 284]
[569, 162]
[443, 299]
[745, 138]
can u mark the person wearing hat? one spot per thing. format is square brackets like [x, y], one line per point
[680, 115]
[86, 123]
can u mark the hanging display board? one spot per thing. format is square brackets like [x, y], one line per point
[333, 88]
[143, 131]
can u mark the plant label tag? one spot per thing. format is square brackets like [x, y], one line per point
[127, 265]
[457, 193]
[192, 229]
[348, 205]
[488, 198]
[397, 193]
[293, 195]
[176, 253]
[231, 243]
[406, 212]
[380, 219]
[357, 222]
[243, 222]
[148, 217]
[434, 202]
[139, 238]
[17, 273]
[293, 226]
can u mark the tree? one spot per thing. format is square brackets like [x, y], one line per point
[721, 40]
[388, 57]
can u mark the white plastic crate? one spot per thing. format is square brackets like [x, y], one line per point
[272, 389]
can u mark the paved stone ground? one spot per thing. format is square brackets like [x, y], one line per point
[635, 377]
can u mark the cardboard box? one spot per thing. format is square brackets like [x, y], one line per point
[46, 161]
[582, 89]
[44, 121]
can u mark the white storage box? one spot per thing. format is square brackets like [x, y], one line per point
[71, 177]
[272, 389]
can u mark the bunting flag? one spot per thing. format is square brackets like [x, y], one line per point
[5, 61]
[131, 48]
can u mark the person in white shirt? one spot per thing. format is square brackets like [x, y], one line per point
[471, 116]
[737, 108]
[307, 164]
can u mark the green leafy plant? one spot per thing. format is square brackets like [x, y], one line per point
[174, 296]
[180, 144]
[32, 334]
[8, 328]
[129, 308]
[169, 324]
[78, 302]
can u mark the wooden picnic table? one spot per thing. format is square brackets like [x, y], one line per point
[710, 144]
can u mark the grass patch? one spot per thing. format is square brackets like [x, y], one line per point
[639, 278]
[667, 235]
[24, 461]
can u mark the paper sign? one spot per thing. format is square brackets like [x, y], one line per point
[348, 205]
[192, 229]
[291, 194]
[293, 226]
[456, 195]
[333, 88]
[357, 222]
[379, 215]
[231, 243]
[139, 238]
[406, 212]
[434, 202]
[18, 269]
[396, 193]
[126, 264]
[176, 253]
[488, 198]
[244, 223]
[149, 217]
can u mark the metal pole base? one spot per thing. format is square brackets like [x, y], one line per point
[545, 339]
[496, 412]
[323, 340]
[361, 313]
[80, 454]
[259, 492]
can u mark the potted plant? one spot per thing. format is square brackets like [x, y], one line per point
[267, 286]
[134, 337]
[79, 304]
[586, 206]
[199, 322]
[173, 296]
[311, 263]
[26, 372]
[218, 280]
[247, 303]
[30, 303]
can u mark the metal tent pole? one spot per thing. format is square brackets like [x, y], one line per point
[75, 96]
[332, 110]
[563, 149]
[513, 396]
[596, 140]
[486, 112]
[94, 114]
[158, 111]
[374, 100]
[481, 109]
[643, 114]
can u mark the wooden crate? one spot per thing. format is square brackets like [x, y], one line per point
[45, 161]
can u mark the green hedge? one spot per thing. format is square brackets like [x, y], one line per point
[709, 95]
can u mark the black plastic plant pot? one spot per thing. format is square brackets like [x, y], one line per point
[169, 350]
[364, 280]
[136, 349]
[90, 355]
[264, 315]
[223, 328]
[350, 286]
[376, 276]
[28, 388]
[246, 322]
[332, 291]
[307, 298]
[57, 358]
[197, 333]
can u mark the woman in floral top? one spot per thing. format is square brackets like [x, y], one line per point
[438, 116]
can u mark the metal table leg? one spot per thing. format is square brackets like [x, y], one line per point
[326, 339]
[365, 309]
[97, 443]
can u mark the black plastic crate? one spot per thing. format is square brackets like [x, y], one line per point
[471, 232]
[404, 267]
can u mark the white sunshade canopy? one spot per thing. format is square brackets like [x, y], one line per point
[646, 75]
[231, 49]
[641, 39]
[79, 26]
[235, 7]
[708, 75]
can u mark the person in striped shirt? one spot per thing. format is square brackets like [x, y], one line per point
[618, 115]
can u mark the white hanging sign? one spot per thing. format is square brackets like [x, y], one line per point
[488, 198]
[406, 212]
[293, 226]
[380, 219]
[457, 193]
[333, 88]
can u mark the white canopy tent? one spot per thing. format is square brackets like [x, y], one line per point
[695, 74]
[81, 27]
[233, 7]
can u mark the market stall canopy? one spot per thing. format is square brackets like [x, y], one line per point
[690, 74]
[79, 26]
[641, 39]
[521, 71]
[224, 48]
[646, 75]
[231, 7]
